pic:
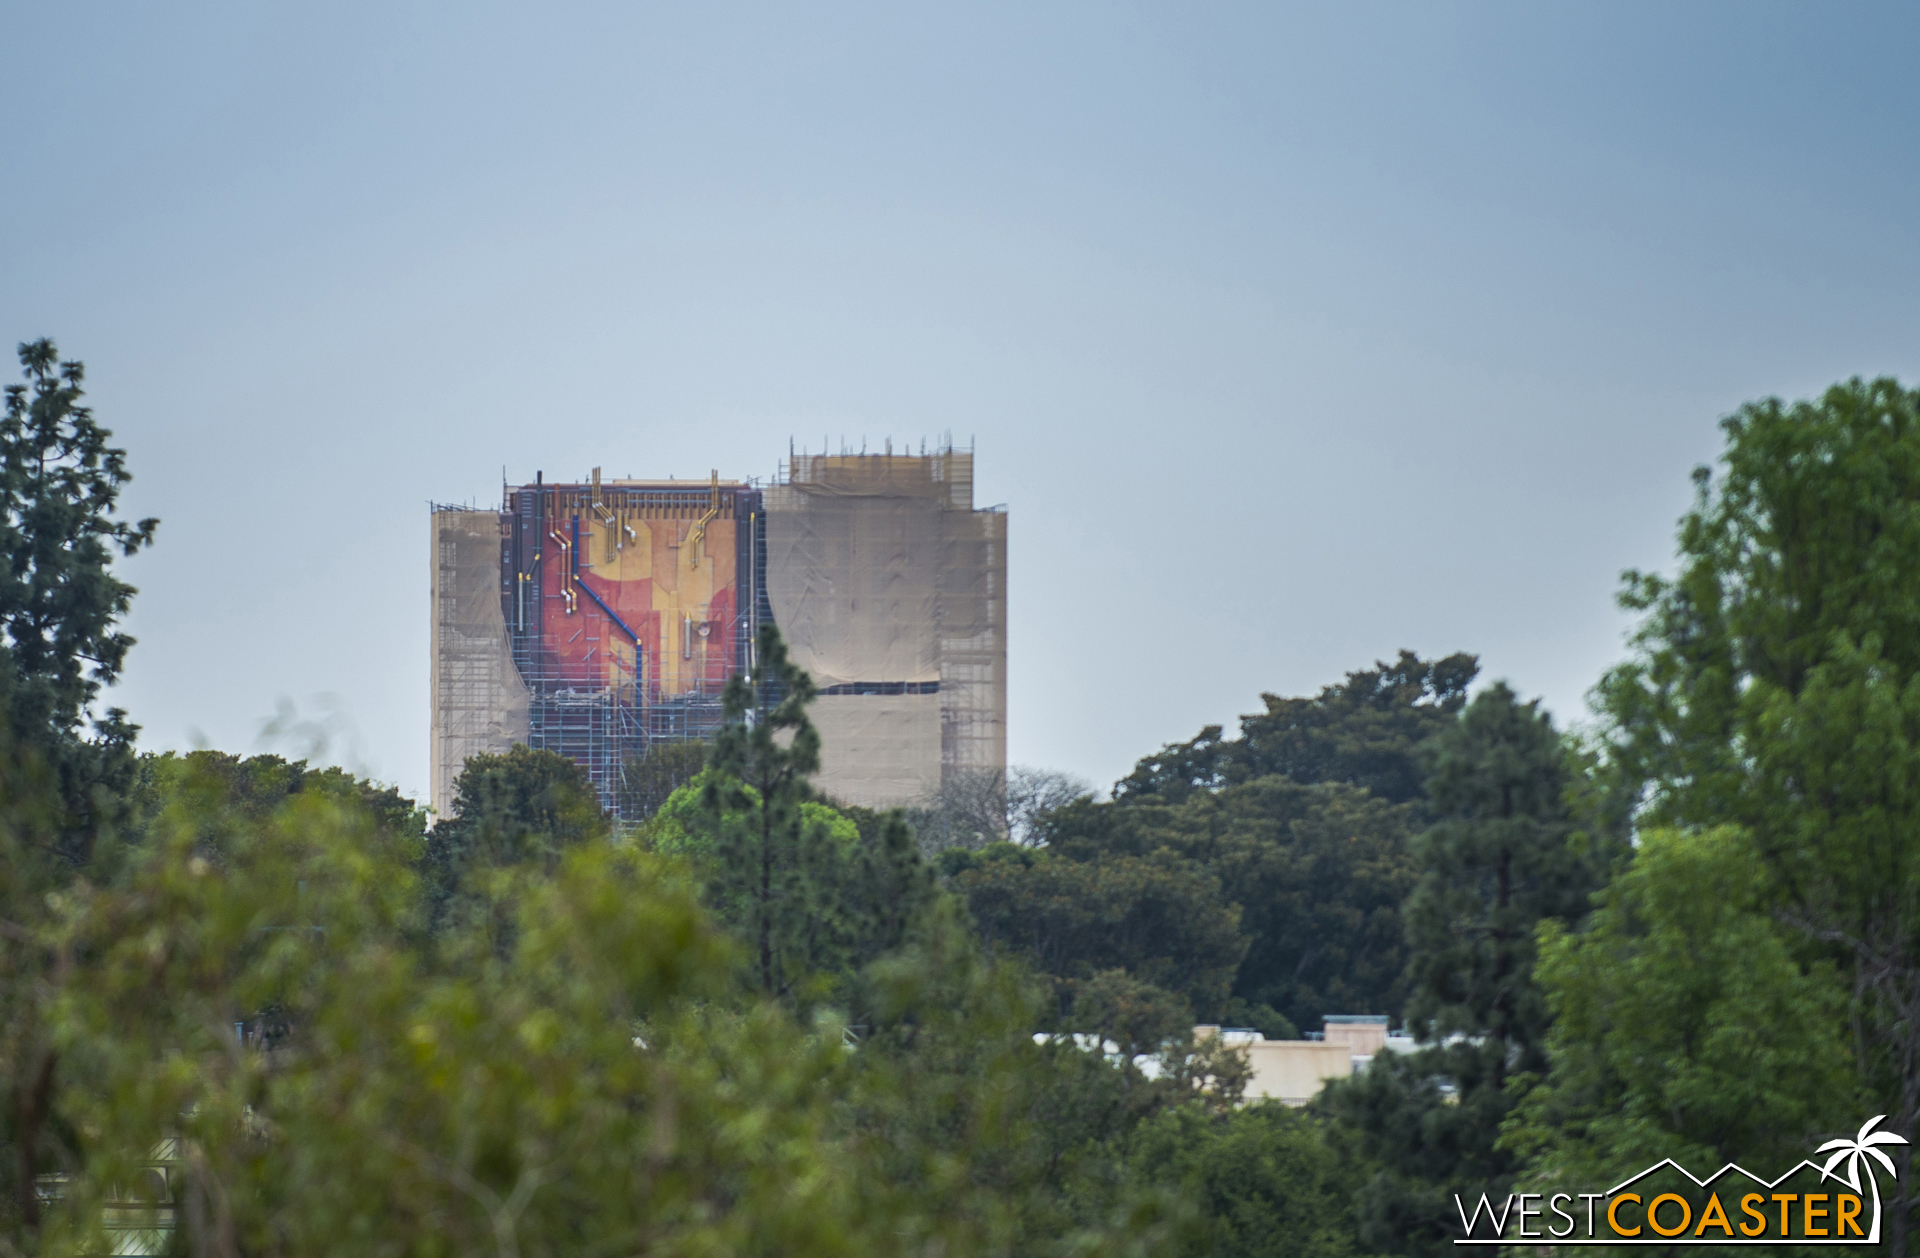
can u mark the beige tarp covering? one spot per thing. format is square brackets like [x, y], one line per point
[878, 751]
[853, 582]
[879, 570]
[479, 701]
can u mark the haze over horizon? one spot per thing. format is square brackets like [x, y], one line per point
[1290, 336]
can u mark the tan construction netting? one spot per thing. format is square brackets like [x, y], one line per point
[479, 701]
[854, 580]
[878, 751]
[880, 572]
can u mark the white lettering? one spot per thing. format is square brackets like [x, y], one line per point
[1525, 1214]
[1554, 1201]
[1499, 1221]
[1590, 1198]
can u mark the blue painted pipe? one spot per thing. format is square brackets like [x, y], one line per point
[573, 557]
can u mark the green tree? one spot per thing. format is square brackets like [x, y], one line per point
[1365, 731]
[1260, 1180]
[1319, 872]
[523, 807]
[598, 1081]
[860, 878]
[249, 790]
[887, 888]
[1497, 863]
[1156, 916]
[1014, 1142]
[1306, 818]
[1137, 1018]
[771, 869]
[33, 1129]
[60, 604]
[1501, 859]
[1688, 1023]
[63, 771]
[1776, 686]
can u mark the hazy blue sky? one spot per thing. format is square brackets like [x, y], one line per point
[1290, 335]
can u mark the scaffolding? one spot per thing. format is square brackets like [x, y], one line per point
[598, 619]
[627, 614]
[889, 586]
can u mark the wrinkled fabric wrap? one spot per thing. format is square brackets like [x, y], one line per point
[479, 700]
[879, 570]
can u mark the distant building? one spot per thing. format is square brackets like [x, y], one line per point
[1294, 1071]
[600, 618]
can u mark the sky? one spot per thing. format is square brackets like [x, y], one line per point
[1290, 336]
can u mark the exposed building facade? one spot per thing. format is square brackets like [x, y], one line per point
[596, 618]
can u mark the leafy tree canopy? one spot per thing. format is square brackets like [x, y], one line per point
[1318, 872]
[523, 807]
[1775, 686]
[1688, 1023]
[1364, 732]
[1158, 917]
[1261, 1181]
[251, 789]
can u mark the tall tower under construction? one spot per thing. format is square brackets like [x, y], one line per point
[600, 618]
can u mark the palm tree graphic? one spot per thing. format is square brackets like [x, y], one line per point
[1856, 1152]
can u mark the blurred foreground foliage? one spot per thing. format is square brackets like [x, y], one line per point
[288, 1017]
[576, 1066]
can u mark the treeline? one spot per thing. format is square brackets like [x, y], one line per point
[1386, 847]
[294, 1013]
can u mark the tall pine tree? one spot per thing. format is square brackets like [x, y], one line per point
[770, 860]
[1497, 861]
[60, 603]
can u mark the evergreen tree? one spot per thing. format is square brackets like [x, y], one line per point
[1319, 874]
[769, 872]
[1160, 918]
[1365, 731]
[859, 879]
[886, 887]
[60, 604]
[1497, 863]
[1262, 1180]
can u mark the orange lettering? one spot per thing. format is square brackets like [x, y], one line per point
[1715, 1214]
[1808, 1214]
[1653, 1214]
[1759, 1219]
[1613, 1219]
[1785, 1199]
[1846, 1214]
